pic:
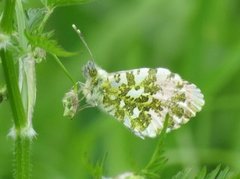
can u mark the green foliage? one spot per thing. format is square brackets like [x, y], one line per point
[202, 173]
[217, 173]
[185, 174]
[97, 169]
[51, 46]
[35, 18]
[55, 3]
[198, 40]
[8, 15]
[213, 174]
[157, 162]
[28, 49]
[224, 173]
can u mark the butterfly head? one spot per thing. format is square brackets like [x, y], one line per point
[94, 77]
[90, 70]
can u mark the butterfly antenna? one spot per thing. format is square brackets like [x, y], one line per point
[82, 39]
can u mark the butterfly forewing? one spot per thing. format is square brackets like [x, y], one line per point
[142, 98]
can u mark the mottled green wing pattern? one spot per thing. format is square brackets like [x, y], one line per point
[142, 98]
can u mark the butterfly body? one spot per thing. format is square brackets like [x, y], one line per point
[142, 98]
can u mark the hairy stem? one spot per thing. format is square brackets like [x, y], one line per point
[19, 116]
[22, 131]
[22, 158]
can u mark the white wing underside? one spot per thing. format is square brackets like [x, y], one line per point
[171, 86]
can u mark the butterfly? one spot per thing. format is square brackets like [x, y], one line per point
[142, 98]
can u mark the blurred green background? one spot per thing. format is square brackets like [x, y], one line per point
[200, 40]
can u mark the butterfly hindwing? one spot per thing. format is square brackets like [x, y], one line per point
[142, 98]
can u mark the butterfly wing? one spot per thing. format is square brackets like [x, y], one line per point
[142, 98]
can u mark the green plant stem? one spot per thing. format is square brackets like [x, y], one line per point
[22, 158]
[13, 90]
[6, 22]
[63, 68]
[46, 17]
[21, 131]
[22, 143]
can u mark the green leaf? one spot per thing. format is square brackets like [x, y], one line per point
[35, 17]
[185, 174]
[202, 173]
[55, 3]
[157, 162]
[49, 45]
[224, 173]
[214, 173]
[96, 169]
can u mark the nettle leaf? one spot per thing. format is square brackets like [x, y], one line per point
[99, 167]
[185, 174]
[202, 174]
[51, 46]
[95, 169]
[156, 164]
[217, 173]
[224, 173]
[55, 3]
[35, 17]
[213, 174]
